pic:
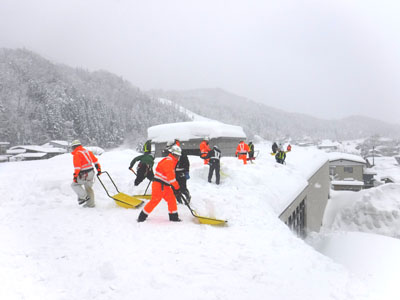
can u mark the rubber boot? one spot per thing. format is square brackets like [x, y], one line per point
[174, 217]
[142, 216]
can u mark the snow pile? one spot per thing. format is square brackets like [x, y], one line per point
[375, 210]
[374, 258]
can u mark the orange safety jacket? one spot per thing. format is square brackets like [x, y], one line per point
[242, 149]
[84, 160]
[165, 171]
[204, 148]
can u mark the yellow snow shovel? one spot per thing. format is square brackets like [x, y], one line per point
[121, 199]
[203, 220]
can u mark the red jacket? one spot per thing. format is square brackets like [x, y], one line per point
[204, 148]
[242, 149]
[165, 171]
[84, 160]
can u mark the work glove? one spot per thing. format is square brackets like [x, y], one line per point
[130, 168]
[187, 175]
[75, 179]
[98, 172]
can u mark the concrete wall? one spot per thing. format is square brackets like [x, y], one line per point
[316, 196]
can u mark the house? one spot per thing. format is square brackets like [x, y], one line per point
[306, 210]
[227, 137]
[329, 145]
[3, 147]
[33, 152]
[347, 171]
[57, 144]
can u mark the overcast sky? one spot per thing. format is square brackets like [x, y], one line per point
[326, 58]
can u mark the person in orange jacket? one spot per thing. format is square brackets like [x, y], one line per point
[241, 151]
[204, 149]
[83, 173]
[164, 186]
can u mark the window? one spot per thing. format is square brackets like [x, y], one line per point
[348, 169]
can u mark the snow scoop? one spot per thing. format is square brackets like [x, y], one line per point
[121, 199]
[144, 196]
[203, 220]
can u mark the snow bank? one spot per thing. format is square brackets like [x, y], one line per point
[374, 258]
[375, 210]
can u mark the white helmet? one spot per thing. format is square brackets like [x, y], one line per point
[176, 150]
[75, 143]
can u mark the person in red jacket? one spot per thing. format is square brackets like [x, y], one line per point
[164, 185]
[84, 173]
[204, 149]
[241, 151]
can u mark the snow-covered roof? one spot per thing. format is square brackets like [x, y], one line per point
[328, 143]
[193, 130]
[36, 149]
[333, 156]
[347, 182]
[31, 155]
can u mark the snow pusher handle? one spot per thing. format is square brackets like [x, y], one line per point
[98, 177]
[202, 220]
[121, 199]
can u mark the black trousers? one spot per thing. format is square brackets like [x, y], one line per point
[142, 172]
[214, 166]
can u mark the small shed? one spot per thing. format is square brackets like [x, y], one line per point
[227, 137]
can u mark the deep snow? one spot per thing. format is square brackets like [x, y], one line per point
[53, 249]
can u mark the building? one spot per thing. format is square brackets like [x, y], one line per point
[33, 152]
[347, 172]
[191, 134]
[328, 145]
[305, 213]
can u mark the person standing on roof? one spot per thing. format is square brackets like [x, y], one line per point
[182, 174]
[144, 168]
[147, 147]
[280, 155]
[251, 152]
[204, 149]
[214, 155]
[83, 161]
[163, 186]
[274, 147]
[241, 151]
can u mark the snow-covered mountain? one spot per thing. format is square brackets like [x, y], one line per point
[42, 101]
[271, 123]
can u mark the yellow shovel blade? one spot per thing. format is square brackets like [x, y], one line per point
[210, 221]
[127, 201]
[147, 197]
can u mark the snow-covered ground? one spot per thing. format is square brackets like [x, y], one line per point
[53, 249]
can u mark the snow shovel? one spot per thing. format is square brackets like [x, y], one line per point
[144, 196]
[203, 220]
[121, 199]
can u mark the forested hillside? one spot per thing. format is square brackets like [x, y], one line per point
[271, 123]
[42, 101]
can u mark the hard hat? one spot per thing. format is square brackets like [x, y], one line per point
[75, 143]
[207, 138]
[176, 150]
[216, 147]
